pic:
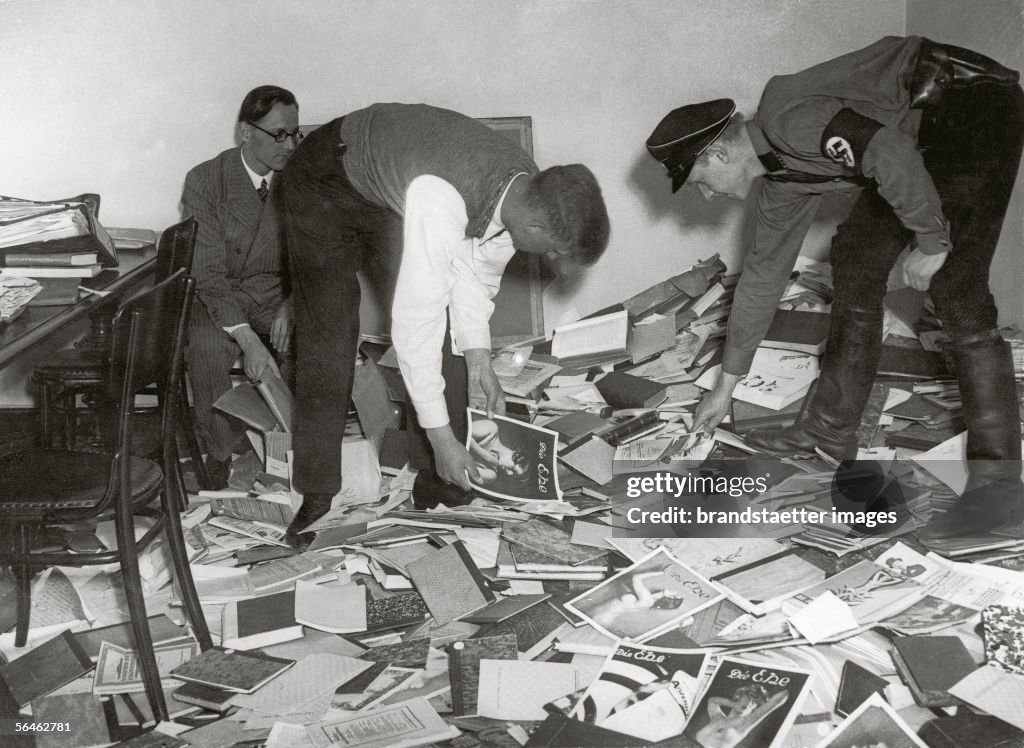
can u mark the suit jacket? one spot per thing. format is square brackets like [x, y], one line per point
[239, 261]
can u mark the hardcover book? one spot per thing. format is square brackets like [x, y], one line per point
[533, 628]
[464, 666]
[46, 668]
[797, 330]
[450, 583]
[83, 712]
[931, 665]
[260, 621]
[873, 723]
[412, 653]
[621, 390]
[553, 541]
[776, 379]
[243, 672]
[161, 628]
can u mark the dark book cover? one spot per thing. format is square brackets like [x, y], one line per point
[395, 612]
[259, 615]
[623, 390]
[82, 711]
[856, 684]
[913, 363]
[527, 559]
[627, 424]
[575, 427]
[412, 653]
[207, 697]
[971, 731]
[161, 629]
[46, 668]
[504, 608]
[243, 672]
[798, 330]
[361, 681]
[56, 292]
[530, 626]
[931, 665]
[449, 582]
[464, 666]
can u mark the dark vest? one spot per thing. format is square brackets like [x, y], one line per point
[389, 145]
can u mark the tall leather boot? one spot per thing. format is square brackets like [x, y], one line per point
[844, 384]
[314, 506]
[994, 497]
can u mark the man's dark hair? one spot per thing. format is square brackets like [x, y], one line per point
[570, 200]
[261, 100]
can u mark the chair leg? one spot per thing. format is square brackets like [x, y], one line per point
[188, 427]
[129, 553]
[45, 414]
[23, 572]
[182, 571]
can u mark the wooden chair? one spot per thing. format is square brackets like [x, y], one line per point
[75, 371]
[41, 487]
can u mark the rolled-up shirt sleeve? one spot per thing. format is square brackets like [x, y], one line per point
[783, 220]
[434, 230]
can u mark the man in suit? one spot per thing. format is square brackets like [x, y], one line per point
[239, 264]
[457, 200]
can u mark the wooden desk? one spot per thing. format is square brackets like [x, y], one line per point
[38, 323]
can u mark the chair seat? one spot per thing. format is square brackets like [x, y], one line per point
[74, 365]
[37, 480]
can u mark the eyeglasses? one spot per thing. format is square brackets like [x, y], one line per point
[281, 135]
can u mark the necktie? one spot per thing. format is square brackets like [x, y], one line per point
[263, 191]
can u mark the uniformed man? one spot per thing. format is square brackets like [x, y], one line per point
[930, 135]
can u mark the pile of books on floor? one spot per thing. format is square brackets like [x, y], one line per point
[539, 614]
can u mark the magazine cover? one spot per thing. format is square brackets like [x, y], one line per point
[873, 593]
[873, 723]
[646, 598]
[643, 691]
[515, 460]
[747, 705]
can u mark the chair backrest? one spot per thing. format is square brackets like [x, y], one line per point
[149, 339]
[175, 249]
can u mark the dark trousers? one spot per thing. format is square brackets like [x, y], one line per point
[332, 233]
[209, 356]
[971, 144]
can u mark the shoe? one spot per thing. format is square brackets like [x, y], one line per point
[314, 506]
[429, 490]
[842, 390]
[217, 472]
[994, 497]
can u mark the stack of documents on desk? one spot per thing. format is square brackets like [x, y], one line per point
[15, 294]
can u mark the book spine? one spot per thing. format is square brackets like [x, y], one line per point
[24, 259]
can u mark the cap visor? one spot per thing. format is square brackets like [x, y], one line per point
[679, 181]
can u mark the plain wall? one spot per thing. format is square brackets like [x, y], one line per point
[122, 98]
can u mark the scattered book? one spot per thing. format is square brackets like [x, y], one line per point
[278, 398]
[552, 541]
[46, 668]
[593, 341]
[776, 378]
[504, 608]
[1003, 627]
[450, 583]
[796, 330]
[207, 697]
[931, 665]
[408, 723]
[337, 610]
[391, 679]
[69, 259]
[118, 669]
[873, 723]
[161, 630]
[260, 621]
[242, 672]
[464, 666]
[623, 390]
[83, 712]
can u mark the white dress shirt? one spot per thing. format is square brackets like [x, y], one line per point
[442, 271]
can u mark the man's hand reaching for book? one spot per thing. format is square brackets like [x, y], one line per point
[713, 408]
